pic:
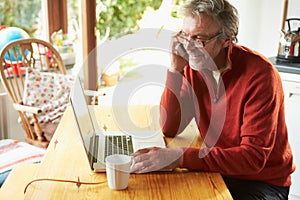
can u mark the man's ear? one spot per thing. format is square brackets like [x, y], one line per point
[227, 42]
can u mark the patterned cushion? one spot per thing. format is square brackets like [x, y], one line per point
[48, 91]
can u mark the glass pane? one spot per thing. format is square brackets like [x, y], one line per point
[21, 14]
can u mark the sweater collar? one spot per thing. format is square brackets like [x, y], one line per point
[229, 53]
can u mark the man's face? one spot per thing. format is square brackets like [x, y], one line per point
[206, 30]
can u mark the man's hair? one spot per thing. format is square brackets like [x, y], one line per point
[221, 11]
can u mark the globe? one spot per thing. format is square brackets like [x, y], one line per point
[9, 34]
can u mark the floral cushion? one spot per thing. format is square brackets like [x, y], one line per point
[49, 92]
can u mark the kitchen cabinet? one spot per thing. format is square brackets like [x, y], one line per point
[290, 76]
[291, 85]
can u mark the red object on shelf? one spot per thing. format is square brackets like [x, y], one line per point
[17, 71]
[15, 68]
[2, 27]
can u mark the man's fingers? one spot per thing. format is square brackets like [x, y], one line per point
[141, 158]
[141, 167]
[141, 151]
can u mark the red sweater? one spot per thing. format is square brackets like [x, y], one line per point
[241, 119]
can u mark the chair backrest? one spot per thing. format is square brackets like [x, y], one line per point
[15, 58]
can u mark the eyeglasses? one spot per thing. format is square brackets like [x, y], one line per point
[184, 38]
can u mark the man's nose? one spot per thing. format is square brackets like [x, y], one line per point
[189, 37]
[189, 45]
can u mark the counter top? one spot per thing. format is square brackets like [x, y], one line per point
[286, 67]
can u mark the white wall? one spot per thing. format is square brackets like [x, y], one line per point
[260, 23]
[294, 8]
[10, 127]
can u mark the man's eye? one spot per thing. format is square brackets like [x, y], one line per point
[199, 38]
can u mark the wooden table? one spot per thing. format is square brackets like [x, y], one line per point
[65, 159]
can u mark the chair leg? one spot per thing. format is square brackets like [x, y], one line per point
[94, 100]
[42, 144]
[26, 126]
[38, 130]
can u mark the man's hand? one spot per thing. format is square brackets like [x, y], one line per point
[179, 56]
[155, 159]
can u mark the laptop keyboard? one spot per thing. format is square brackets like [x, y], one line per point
[121, 144]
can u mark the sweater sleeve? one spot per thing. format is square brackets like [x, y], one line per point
[176, 110]
[263, 98]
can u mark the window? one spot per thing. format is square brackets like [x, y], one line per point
[22, 14]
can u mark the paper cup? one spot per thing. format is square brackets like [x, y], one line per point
[118, 171]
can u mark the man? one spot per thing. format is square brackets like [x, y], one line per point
[236, 97]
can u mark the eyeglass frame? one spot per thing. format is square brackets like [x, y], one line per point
[197, 38]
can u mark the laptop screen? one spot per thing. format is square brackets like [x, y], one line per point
[83, 118]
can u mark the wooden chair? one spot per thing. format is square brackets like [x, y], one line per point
[15, 57]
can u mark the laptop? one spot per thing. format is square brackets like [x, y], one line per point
[99, 144]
